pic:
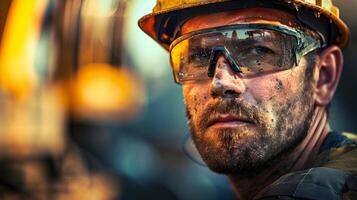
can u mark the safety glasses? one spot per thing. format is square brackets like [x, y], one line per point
[250, 49]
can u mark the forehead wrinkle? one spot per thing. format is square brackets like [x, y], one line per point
[249, 15]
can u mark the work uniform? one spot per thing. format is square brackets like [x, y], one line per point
[333, 174]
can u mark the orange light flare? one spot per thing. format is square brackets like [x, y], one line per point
[104, 92]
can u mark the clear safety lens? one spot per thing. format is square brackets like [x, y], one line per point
[254, 51]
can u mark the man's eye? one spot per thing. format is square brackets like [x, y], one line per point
[261, 50]
[199, 56]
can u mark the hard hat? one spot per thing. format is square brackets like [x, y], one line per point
[163, 24]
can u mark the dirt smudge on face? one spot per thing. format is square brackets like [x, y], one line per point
[279, 84]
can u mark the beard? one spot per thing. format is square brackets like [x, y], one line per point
[276, 130]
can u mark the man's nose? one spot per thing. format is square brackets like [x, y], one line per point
[226, 82]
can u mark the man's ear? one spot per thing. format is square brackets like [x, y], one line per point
[328, 74]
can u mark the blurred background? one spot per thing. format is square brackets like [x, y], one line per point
[90, 109]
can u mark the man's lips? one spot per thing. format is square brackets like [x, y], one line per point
[228, 121]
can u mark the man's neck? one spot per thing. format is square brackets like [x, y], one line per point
[298, 159]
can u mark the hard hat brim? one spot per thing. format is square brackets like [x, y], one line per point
[147, 22]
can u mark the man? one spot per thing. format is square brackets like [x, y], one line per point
[257, 78]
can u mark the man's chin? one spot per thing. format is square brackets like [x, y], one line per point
[229, 156]
[228, 165]
[244, 154]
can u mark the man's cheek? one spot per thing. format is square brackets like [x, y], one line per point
[195, 100]
[193, 108]
[263, 91]
[275, 86]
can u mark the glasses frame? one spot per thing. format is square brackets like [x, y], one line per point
[305, 43]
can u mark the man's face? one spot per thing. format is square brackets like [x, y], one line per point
[240, 124]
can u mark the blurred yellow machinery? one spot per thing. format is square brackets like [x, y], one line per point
[59, 60]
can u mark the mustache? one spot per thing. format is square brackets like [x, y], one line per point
[232, 107]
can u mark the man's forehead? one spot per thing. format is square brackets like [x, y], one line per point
[248, 15]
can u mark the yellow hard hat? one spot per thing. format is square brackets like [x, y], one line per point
[163, 24]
